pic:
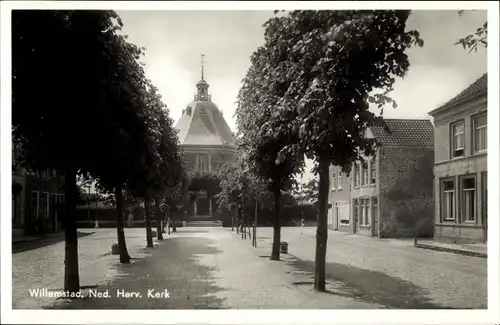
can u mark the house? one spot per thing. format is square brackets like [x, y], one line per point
[37, 199]
[389, 194]
[460, 168]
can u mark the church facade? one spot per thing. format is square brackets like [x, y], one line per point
[206, 140]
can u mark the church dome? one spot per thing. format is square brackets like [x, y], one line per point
[202, 123]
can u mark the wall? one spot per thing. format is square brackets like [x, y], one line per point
[216, 156]
[406, 202]
[446, 167]
[51, 185]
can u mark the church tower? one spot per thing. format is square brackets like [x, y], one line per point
[206, 139]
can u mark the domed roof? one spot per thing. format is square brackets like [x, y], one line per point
[202, 124]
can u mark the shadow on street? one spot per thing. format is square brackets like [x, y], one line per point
[174, 266]
[364, 285]
[42, 242]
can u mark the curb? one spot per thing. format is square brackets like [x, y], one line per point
[453, 250]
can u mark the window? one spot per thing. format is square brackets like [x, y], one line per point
[373, 168]
[365, 173]
[356, 210]
[339, 180]
[457, 140]
[448, 197]
[44, 205]
[60, 199]
[203, 163]
[480, 136]
[468, 199]
[54, 173]
[44, 174]
[357, 175]
[35, 208]
[62, 178]
[374, 210]
[365, 208]
[343, 211]
[334, 180]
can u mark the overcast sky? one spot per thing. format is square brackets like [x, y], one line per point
[174, 41]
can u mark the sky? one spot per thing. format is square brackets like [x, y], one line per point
[175, 40]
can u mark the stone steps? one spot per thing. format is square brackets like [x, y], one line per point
[203, 223]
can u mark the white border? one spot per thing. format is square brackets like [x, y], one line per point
[241, 316]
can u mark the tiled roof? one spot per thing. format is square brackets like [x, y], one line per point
[405, 133]
[202, 123]
[475, 88]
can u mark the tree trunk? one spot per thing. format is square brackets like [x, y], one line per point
[172, 220]
[322, 229]
[71, 271]
[120, 233]
[275, 254]
[149, 234]
[158, 220]
[232, 223]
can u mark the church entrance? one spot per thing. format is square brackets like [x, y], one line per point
[203, 206]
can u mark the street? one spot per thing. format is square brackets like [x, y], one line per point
[213, 268]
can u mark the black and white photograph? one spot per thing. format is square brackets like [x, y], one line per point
[289, 157]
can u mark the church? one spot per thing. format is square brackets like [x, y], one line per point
[206, 140]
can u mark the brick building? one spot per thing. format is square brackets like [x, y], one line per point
[390, 194]
[37, 199]
[206, 139]
[460, 169]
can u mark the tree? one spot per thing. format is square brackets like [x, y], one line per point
[126, 127]
[63, 97]
[263, 141]
[476, 40]
[170, 174]
[311, 191]
[328, 65]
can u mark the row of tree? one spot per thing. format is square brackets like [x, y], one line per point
[307, 94]
[81, 104]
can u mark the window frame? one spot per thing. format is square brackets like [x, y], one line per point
[334, 180]
[452, 139]
[373, 171]
[356, 210]
[357, 175]
[462, 199]
[475, 132]
[35, 211]
[365, 206]
[442, 193]
[339, 179]
[365, 181]
[342, 207]
[201, 158]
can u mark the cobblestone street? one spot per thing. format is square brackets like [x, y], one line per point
[389, 272]
[215, 268]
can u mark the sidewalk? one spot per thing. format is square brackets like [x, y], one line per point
[478, 250]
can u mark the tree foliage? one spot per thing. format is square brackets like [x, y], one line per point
[476, 40]
[321, 72]
[81, 104]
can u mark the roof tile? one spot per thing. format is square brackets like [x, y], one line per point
[476, 87]
[406, 133]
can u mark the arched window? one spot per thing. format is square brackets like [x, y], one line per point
[203, 163]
